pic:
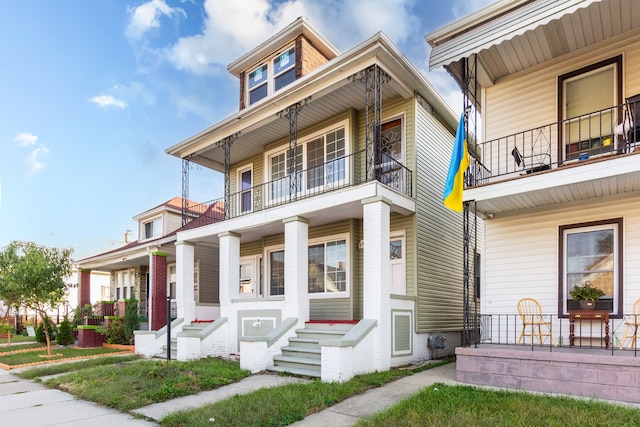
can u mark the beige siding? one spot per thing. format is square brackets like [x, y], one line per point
[521, 253]
[439, 232]
[529, 99]
[171, 222]
[208, 289]
[357, 288]
[251, 248]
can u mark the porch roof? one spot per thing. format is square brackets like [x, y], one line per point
[330, 93]
[513, 35]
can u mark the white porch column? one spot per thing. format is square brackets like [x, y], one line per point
[377, 275]
[229, 270]
[185, 298]
[296, 267]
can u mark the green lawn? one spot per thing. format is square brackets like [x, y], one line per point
[440, 405]
[17, 338]
[59, 353]
[147, 381]
[14, 348]
[60, 368]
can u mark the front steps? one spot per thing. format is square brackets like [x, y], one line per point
[302, 355]
[194, 327]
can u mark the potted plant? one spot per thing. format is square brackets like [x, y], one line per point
[587, 295]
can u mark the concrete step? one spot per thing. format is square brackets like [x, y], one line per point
[310, 343]
[297, 362]
[320, 334]
[302, 352]
[295, 371]
[346, 326]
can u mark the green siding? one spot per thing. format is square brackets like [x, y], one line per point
[209, 277]
[439, 231]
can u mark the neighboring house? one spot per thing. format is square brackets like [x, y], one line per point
[146, 267]
[557, 178]
[337, 255]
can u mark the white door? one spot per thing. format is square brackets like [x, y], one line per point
[398, 269]
[249, 277]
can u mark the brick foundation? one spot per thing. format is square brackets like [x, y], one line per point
[89, 337]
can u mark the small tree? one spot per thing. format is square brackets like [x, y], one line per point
[65, 336]
[38, 273]
[10, 291]
[131, 319]
[41, 336]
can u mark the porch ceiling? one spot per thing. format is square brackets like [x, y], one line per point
[324, 105]
[529, 34]
[570, 184]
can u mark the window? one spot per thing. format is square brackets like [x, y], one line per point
[324, 157]
[258, 80]
[276, 272]
[389, 170]
[592, 252]
[586, 96]
[260, 83]
[148, 230]
[246, 189]
[172, 279]
[152, 228]
[328, 267]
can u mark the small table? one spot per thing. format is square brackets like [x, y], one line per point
[599, 315]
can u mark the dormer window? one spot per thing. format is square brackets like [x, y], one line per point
[151, 228]
[271, 76]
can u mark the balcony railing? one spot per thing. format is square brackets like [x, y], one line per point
[601, 133]
[333, 175]
[505, 330]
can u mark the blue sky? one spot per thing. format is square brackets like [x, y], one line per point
[93, 92]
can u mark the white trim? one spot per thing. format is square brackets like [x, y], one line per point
[399, 235]
[327, 239]
[405, 313]
[239, 191]
[302, 143]
[271, 75]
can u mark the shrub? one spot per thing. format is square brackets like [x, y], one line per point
[65, 336]
[40, 336]
[131, 319]
[115, 333]
[79, 314]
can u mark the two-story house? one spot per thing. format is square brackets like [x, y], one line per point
[336, 254]
[145, 268]
[557, 179]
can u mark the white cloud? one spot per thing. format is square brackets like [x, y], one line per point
[33, 160]
[147, 16]
[233, 27]
[25, 139]
[106, 101]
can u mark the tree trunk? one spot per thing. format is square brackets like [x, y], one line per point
[45, 328]
[6, 320]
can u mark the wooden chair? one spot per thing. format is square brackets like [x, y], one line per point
[530, 313]
[632, 322]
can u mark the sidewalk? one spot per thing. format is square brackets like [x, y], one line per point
[27, 403]
[349, 411]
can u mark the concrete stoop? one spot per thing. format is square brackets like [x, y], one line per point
[192, 329]
[302, 355]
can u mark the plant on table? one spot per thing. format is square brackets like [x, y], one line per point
[587, 293]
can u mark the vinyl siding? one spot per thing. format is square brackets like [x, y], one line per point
[521, 253]
[529, 99]
[439, 231]
[171, 222]
[208, 289]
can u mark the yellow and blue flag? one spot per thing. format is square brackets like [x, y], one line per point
[457, 167]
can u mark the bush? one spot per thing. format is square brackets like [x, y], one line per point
[79, 314]
[115, 333]
[40, 336]
[131, 319]
[65, 336]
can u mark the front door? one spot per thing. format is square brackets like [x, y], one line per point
[249, 277]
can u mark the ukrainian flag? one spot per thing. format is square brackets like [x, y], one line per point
[457, 167]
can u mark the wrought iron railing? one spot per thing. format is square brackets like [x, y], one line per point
[341, 172]
[506, 329]
[597, 134]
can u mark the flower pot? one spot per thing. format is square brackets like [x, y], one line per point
[587, 305]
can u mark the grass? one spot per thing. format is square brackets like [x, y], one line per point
[137, 384]
[9, 349]
[59, 353]
[440, 405]
[284, 405]
[61, 368]
[17, 338]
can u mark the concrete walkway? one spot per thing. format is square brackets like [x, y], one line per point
[28, 403]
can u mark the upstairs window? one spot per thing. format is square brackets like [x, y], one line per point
[152, 229]
[271, 76]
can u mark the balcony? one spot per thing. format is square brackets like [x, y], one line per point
[336, 174]
[594, 136]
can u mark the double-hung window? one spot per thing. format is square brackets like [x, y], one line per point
[587, 96]
[276, 272]
[273, 75]
[592, 252]
[328, 267]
